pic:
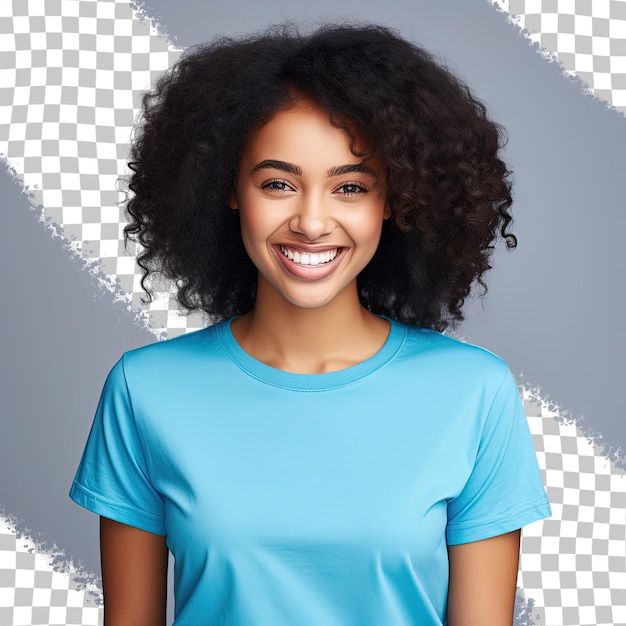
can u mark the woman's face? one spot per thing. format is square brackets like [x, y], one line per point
[311, 212]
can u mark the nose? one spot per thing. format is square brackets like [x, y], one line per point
[311, 218]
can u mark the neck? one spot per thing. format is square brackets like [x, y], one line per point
[310, 340]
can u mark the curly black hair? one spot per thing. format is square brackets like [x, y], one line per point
[447, 188]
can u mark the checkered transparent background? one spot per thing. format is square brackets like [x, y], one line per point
[71, 77]
[588, 38]
[574, 564]
[32, 592]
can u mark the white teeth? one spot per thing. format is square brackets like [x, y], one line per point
[313, 258]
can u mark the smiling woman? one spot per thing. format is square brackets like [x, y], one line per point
[311, 218]
[303, 198]
[323, 455]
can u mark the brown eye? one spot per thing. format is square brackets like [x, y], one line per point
[351, 189]
[277, 186]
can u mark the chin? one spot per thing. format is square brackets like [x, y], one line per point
[308, 303]
[309, 300]
[304, 294]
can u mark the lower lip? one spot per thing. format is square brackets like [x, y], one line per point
[310, 272]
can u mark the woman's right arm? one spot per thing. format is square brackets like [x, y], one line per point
[134, 575]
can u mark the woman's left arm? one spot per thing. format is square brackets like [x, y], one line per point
[483, 577]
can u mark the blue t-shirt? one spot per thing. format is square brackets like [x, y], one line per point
[325, 499]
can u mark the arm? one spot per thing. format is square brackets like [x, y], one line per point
[483, 577]
[134, 575]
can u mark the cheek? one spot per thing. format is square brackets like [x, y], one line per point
[250, 234]
[257, 226]
[250, 218]
[368, 230]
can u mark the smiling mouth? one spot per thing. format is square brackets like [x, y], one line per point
[310, 258]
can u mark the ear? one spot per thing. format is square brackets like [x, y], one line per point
[232, 202]
[387, 211]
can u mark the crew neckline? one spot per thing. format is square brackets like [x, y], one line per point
[312, 382]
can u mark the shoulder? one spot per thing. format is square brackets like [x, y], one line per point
[181, 346]
[151, 378]
[177, 355]
[451, 356]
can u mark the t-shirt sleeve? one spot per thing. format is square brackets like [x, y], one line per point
[505, 490]
[112, 479]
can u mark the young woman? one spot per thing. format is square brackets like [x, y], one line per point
[321, 455]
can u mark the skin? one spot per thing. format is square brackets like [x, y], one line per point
[300, 188]
[134, 575]
[483, 576]
[291, 193]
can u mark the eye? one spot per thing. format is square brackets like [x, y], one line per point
[351, 189]
[277, 186]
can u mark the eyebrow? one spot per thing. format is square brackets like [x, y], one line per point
[290, 168]
[336, 170]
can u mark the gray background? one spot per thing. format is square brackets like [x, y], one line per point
[554, 310]
[554, 306]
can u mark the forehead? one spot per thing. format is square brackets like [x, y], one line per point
[301, 130]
